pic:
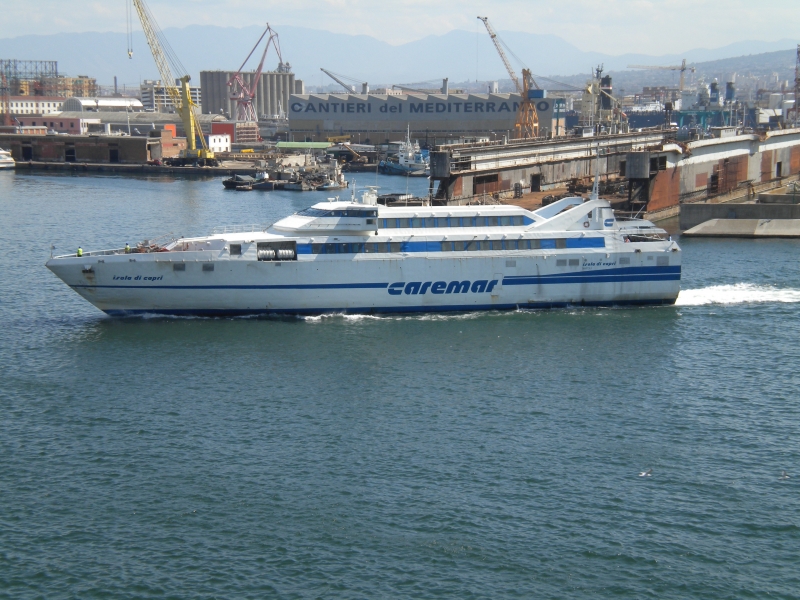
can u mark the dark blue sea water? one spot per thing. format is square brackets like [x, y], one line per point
[462, 456]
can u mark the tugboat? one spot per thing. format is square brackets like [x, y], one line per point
[410, 161]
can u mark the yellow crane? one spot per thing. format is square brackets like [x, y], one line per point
[181, 96]
[527, 125]
[681, 67]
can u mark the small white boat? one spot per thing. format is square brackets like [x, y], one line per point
[6, 162]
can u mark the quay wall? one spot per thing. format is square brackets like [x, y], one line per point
[695, 214]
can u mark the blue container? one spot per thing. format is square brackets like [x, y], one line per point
[537, 94]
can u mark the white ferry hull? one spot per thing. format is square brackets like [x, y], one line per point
[120, 285]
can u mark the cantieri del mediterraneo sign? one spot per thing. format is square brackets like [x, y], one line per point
[359, 108]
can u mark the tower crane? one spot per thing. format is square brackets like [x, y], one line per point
[527, 125]
[350, 88]
[243, 93]
[181, 97]
[681, 67]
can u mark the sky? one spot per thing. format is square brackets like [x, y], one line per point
[610, 26]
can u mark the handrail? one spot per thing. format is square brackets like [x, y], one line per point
[240, 228]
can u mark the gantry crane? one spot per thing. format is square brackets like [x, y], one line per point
[681, 67]
[180, 96]
[243, 93]
[350, 88]
[527, 125]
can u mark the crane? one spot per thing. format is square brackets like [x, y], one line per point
[681, 67]
[241, 92]
[181, 96]
[527, 125]
[350, 88]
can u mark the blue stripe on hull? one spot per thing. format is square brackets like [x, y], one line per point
[630, 274]
[385, 309]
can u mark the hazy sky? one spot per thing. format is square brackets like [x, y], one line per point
[612, 26]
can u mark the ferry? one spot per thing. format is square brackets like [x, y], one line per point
[360, 257]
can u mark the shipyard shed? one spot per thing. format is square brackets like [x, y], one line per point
[381, 118]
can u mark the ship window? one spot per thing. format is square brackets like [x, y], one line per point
[208, 266]
[511, 244]
[497, 244]
[314, 212]
[505, 221]
[517, 220]
[416, 223]
[329, 248]
[492, 221]
[430, 222]
[447, 246]
[390, 223]
[574, 262]
[561, 243]
[383, 247]
[403, 223]
[625, 260]
[370, 221]
[317, 248]
[370, 248]
[236, 249]
[441, 222]
[179, 267]
[472, 245]
[486, 245]
[356, 248]
[561, 262]
[395, 246]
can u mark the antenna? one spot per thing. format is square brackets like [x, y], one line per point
[596, 187]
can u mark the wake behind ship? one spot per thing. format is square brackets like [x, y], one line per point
[358, 257]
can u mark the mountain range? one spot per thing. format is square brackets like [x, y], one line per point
[459, 55]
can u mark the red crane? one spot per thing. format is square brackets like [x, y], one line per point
[242, 92]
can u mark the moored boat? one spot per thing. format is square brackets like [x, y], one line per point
[6, 161]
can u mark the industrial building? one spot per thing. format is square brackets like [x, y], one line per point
[155, 97]
[102, 104]
[432, 118]
[271, 94]
[41, 78]
[82, 148]
[31, 105]
[139, 123]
